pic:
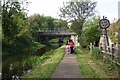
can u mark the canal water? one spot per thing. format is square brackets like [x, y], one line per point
[13, 66]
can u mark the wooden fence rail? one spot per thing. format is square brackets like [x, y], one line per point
[111, 53]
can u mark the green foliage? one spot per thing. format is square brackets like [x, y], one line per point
[86, 70]
[43, 22]
[45, 70]
[0, 32]
[76, 11]
[91, 32]
[39, 21]
[114, 27]
[77, 26]
[96, 53]
[34, 23]
[15, 30]
[0, 40]
[61, 23]
[110, 64]
[12, 19]
[32, 61]
[93, 68]
[53, 40]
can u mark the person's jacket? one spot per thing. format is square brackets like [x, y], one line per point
[71, 44]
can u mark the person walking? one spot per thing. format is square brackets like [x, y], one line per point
[67, 48]
[71, 46]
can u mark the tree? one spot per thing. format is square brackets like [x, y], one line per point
[15, 30]
[34, 25]
[61, 23]
[40, 22]
[77, 10]
[114, 30]
[76, 26]
[91, 32]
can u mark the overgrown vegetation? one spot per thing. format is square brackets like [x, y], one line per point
[114, 31]
[42, 22]
[110, 64]
[57, 40]
[33, 60]
[20, 36]
[16, 36]
[91, 32]
[20, 32]
[96, 53]
[45, 69]
[94, 67]
[53, 40]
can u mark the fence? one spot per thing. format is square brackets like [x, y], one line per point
[111, 53]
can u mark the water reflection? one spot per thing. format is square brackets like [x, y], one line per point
[12, 66]
[15, 77]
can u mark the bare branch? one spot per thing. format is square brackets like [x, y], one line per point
[77, 10]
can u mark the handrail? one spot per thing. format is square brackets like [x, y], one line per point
[52, 30]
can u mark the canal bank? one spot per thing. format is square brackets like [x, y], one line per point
[45, 70]
[17, 65]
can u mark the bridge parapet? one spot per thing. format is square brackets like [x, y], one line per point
[52, 30]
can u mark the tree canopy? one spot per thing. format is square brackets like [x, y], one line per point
[91, 32]
[114, 30]
[76, 11]
[38, 21]
[15, 31]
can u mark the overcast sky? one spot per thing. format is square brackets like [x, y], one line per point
[108, 8]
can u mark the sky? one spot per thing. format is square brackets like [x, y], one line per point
[108, 8]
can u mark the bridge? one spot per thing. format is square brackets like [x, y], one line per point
[60, 33]
[55, 32]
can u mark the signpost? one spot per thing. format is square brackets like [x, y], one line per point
[104, 24]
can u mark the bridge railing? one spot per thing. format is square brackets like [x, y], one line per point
[57, 30]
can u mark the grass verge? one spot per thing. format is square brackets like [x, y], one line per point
[46, 69]
[53, 40]
[92, 68]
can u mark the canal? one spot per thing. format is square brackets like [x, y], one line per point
[13, 65]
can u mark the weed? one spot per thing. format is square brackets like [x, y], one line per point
[96, 53]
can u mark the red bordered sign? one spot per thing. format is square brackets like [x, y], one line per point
[104, 23]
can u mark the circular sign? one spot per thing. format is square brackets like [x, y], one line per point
[104, 23]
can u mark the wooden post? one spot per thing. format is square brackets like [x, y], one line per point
[105, 46]
[100, 46]
[113, 51]
[107, 39]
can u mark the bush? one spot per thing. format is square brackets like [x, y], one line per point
[110, 64]
[96, 53]
[32, 61]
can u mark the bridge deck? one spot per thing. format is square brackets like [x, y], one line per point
[56, 33]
